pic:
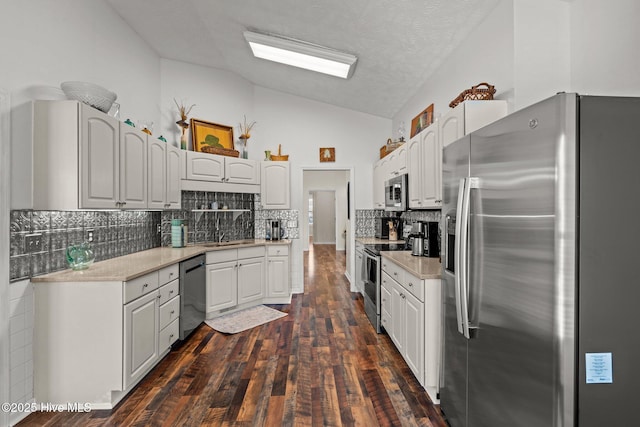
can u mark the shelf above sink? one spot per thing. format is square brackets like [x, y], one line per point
[236, 212]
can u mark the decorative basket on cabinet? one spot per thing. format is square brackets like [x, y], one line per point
[481, 91]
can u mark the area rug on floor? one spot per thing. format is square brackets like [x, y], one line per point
[244, 319]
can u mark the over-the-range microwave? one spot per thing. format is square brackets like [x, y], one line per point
[396, 194]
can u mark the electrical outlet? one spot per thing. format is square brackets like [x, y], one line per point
[33, 242]
[90, 235]
[159, 229]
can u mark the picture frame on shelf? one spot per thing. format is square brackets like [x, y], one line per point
[212, 137]
[422, 121]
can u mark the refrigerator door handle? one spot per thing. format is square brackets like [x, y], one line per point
[457, 254]
[464, 259]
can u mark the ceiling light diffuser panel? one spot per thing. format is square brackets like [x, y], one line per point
[301, 54]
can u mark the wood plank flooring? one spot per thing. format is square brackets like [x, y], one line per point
[322, 365]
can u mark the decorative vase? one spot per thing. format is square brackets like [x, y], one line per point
[183, 139]
[242, 147]
[80, 257]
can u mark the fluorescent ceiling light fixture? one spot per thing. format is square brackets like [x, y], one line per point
[301, 54]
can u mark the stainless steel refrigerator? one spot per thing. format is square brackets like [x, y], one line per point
[541, 267]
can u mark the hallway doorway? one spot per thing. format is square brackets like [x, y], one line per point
[323, 226]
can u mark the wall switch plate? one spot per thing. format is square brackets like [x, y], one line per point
[33, 242]
[292, 223]
[90, 235]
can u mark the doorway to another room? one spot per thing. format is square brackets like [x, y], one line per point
[325, 215]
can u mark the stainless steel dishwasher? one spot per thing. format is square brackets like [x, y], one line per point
[192, 294]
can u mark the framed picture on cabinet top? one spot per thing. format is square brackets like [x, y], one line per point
[422, 121]
[211, 137]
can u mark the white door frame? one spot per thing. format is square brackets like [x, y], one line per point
[352, 214]
[5, 164]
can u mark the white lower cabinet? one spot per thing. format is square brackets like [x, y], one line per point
[411, 316]
[222, 285]
[140, 337]
[123, 335]
[251, 279]
[278, 277]
[234, 277]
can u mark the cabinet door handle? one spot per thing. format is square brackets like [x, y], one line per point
[123, 203]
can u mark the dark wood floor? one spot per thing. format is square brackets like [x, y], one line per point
[322, 365]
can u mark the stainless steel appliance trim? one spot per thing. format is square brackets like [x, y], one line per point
[192, 294]
[372, 308]
[457, 258]
[566, 259]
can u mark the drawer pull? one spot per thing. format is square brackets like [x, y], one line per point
[395, 273]
[410, 284]
[171, 291]
[170, 336]
[173, 311]
[146, 285]
[170, 274]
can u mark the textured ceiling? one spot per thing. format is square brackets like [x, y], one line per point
[399, 43]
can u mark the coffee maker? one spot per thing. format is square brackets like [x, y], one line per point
[273, 230]
[431, 239]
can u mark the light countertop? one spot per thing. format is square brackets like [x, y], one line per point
[420, 266]
[127, 267]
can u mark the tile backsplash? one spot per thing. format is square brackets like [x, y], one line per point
[365, 219]
[205, 227]
[118, 233]
[115, 233]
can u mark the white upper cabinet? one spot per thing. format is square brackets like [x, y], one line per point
[133, 168]
[211, 172]
[380, 175]
[157, 154]
[425, 170]
[173, 187]
[86, 159]
[241, 171]
[211, 167]
[397, 163]
[424, 151]
[469, 116]
[205, 167]
[99, 158]
[275, 185]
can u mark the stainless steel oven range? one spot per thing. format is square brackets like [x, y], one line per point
[371, 273]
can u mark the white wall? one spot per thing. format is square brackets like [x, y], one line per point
[4, 253]
[303, 126]
[219, 96]
[330, 180]
[605, 41]
[485, 56]
[44, 43]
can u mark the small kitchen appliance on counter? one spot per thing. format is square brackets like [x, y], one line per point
[383, 227]
[273, 230]
[431, 242]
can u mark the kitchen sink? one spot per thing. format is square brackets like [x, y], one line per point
[229, 243]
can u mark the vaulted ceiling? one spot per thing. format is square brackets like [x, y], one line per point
[399, 43]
